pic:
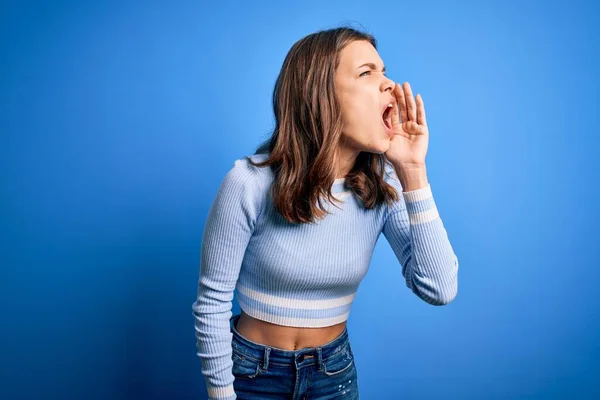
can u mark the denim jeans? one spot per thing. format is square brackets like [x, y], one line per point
[263, 372]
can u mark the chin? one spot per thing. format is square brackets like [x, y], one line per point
[379, 146]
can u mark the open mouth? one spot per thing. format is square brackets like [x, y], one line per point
[387, 118]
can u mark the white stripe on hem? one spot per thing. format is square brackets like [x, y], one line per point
[295, 303]
[291, 321]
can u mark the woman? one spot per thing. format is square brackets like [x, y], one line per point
[293, 226]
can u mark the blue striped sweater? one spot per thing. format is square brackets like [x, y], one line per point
[305, 275]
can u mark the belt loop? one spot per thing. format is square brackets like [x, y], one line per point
[266, 358]
[320, 358]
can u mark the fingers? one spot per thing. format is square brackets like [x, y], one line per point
[396, 111]
[421, 119]
[410, 102]
[399, 94]
[412, 128]
[410, 110]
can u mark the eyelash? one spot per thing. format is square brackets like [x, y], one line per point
[384, 74]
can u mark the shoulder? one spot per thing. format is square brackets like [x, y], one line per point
[243, 169]
[243, 162]
[244, 177]
[244, 188]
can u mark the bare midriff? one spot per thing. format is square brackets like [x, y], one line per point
[286, 337]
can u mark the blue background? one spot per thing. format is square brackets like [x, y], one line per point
[119, 120]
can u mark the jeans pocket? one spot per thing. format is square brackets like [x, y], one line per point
[338, 362]
[244, 366]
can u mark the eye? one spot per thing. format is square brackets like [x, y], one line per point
[368, 72]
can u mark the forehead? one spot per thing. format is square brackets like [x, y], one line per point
[357, 53]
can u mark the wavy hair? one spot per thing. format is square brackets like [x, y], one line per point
[308, 129]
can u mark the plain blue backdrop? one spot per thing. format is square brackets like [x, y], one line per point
[119, 120]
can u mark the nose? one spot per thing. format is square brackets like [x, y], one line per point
[387, 84]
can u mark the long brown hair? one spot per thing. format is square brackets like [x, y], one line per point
[308, 129]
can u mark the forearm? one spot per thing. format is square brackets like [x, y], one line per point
[418, 237]
[420, 242]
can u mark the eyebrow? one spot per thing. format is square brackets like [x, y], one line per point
[372, 66]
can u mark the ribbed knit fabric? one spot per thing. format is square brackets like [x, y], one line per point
[305, 275]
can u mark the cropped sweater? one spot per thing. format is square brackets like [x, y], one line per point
[305, 275]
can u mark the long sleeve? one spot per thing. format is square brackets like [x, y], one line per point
[229, 226]
[420, 242]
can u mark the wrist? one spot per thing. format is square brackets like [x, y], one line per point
[411, 176]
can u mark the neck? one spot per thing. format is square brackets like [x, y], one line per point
[345, 159]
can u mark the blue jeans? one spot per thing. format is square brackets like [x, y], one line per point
[264, 372]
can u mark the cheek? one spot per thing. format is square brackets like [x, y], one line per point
[349, 113]
[358, 113]
[366, 104]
